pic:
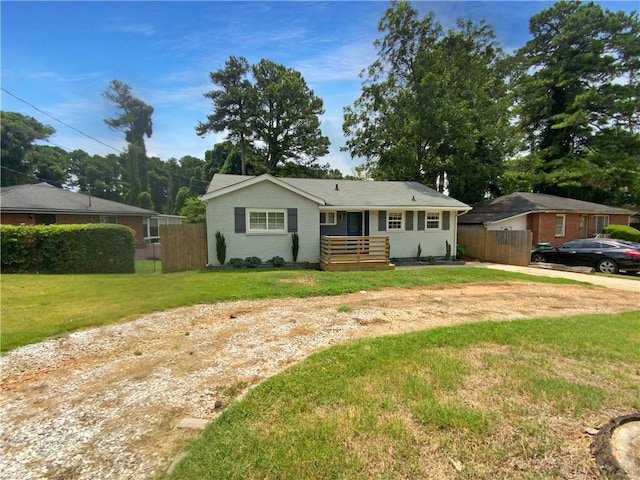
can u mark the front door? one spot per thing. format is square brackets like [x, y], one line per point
[354, 224]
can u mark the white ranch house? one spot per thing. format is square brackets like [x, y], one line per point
[346, 219]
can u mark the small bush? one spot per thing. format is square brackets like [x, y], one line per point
[277, 261]
[236, 263]
[623, 232]
[252, 262]
[461, 250]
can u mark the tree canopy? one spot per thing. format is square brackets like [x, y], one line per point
[433, 105]
[19, 134]
[277, 112]
[135, 122]
[447, 108]
[578, 99]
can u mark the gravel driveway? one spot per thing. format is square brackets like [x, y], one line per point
[105, 403]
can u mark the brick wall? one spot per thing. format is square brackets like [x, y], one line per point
[543, 226]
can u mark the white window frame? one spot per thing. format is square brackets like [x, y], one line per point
[393, 217]
[268, 212]
[560, 228]
[605, 221]
[432, 220]
[329, 218]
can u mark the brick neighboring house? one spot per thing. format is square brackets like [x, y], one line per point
[42, 204]
[550, 218]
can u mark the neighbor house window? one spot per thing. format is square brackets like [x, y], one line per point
[601, 221]
[152, 229]
[328, 218]
[108, 219]
[45, 218]
[560, 225]
[432, 221]
[394, 221]
[272, 221]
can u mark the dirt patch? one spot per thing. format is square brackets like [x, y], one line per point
[104, 403]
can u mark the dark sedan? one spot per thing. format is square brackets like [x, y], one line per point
[603, 254]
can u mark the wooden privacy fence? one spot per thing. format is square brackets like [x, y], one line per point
[184, 247]
[510, 247]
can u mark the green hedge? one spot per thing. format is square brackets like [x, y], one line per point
[623, 232]
[90, 248]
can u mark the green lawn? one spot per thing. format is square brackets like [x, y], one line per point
[35, 307]
[503, 400]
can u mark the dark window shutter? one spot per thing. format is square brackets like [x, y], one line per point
[292, 219]
[241, 224]
[382, 221]
[420, 221]
[445, 220]
[408, 224]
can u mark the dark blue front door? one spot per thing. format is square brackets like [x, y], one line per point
[354, 224]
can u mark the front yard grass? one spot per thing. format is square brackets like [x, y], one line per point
[36, 307]
[507, 400]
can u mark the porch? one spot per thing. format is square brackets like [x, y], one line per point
[354, 253]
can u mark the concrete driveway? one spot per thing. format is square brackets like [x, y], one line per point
[618, 282]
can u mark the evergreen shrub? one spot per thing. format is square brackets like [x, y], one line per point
[236, 263]
[84, 248]
[623, 232]
[252, 262]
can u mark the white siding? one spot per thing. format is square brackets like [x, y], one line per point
[404, 244]
[515, 223]
[220, 216]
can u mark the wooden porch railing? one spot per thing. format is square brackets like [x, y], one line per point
[354, 253]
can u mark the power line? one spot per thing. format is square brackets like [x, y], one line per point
[60, 121]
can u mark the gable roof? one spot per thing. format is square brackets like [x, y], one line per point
[344, 193]
[45, 198]
[521, 203]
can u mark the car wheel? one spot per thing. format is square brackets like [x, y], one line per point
[607, 266]
[538, 257]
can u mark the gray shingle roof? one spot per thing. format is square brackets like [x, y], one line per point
[356, 193]
[45, 198]
[520, 203]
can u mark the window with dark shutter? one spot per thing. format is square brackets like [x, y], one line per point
[240, 223]
[408, 219]
[382, 221]
[445, 220]
[292, 220]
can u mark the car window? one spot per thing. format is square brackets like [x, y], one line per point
[594, 244]
[571, 245]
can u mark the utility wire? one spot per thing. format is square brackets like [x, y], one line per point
[202, 182]
[60, 121]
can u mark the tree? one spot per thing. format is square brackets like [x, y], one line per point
[578, 96]
[19, 132]
[159, 184]
[278, 113]
[286, 116]
[135, 121]
[232, 105]
[50, 164]
[100, 176]
[433, 105]
[195, 210]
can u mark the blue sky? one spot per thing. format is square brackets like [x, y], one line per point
[61, 56]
